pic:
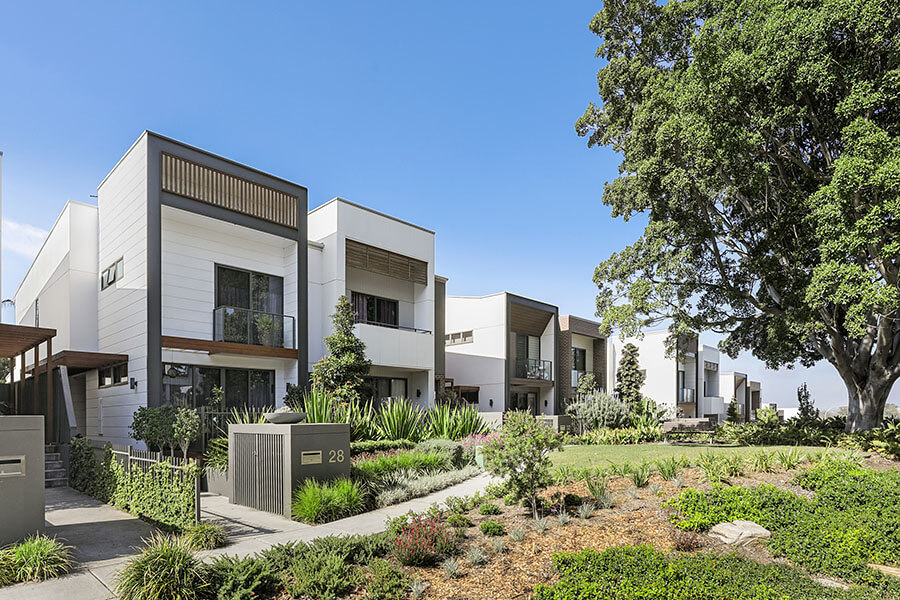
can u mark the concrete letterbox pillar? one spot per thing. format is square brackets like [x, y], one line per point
[21, 477]
[266, 462]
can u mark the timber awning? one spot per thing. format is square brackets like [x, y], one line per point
[17, 339]
[78, 361]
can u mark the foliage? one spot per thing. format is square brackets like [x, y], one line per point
[415, 486]
[587, 384]
[414, 460]
[386, 582]
[489, 508]
[165, 568]
[629, 379]
[450, 567]
[321, 575]
[458, 520]
[205, 536]
[36, 558]
[423, 540]
[853, 519]
[731, 414]
[640, 475]
[642, 573]
[448, 448]
[185, 428]
[242, 578]
[765, 158]
[806, 412]
[161, 493]
[668, 467]
[597, 409]
[522, 456]
[454, 422]
[155, 426]
[370, 446]
[216, 455]
[492, 528]
[400, 419]
[618, 437]
[320, 502]
[342, 370]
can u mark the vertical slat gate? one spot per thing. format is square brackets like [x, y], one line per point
[259, 471]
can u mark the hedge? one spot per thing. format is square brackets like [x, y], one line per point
[158, 493]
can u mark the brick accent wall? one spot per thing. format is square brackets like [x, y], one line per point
[569, 325]
[564, 368]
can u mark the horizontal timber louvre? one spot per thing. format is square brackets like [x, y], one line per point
[385, 262]
[205, 184]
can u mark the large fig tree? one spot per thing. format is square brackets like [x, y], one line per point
[760, 139]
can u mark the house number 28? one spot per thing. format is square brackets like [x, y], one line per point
[335, 456]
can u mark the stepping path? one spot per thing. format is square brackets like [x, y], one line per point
[104, 537]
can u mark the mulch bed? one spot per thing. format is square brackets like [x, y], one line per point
[638, 517]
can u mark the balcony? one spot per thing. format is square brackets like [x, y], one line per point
[391, 326]
[531, 368]
[687, 395]
[254, 327]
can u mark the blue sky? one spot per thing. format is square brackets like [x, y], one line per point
[456, 117]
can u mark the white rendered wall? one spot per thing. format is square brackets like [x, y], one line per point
[483, 361]
[331, 225]
[586, 344]
[122, 307]
[63, 278]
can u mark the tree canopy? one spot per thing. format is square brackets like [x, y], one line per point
[342, 370]
[760, 139]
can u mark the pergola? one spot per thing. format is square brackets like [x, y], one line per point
[16, 341]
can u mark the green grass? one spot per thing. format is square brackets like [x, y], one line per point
[581, 457]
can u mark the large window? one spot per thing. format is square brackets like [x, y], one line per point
[191, 386]
[375, 310]
[382, 388]
[579, 360]
[250, 307]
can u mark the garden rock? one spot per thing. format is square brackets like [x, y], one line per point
[739, 533]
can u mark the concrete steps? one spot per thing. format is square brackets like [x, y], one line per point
[54, 470]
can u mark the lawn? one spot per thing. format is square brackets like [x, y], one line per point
[580, 457]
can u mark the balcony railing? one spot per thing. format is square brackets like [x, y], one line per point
[687, 395]
[246, 326]
[531, 368]
[391, 326]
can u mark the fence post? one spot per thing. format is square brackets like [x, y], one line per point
[196, 498]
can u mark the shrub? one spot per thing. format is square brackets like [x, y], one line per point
[685, 541]
[386, 582]
[489, 508]
[452, 451]
[668, 467]
[450, 567]
[400, 419]
[639, 572]
[540, 525]
[423, 540]
[517, 534]
[280, 557]
[790, 459]
[458, 520]
[205, 536]
[761, 461]
[319, 502]
[572, 500]
[475, 556]
[417, 461]
[417, 588]
[37, 558]
[7, 567]
[563, 518]
[522, 456]
[371, 446]
[242, 578]
[356, 549]
[596, 487]
[498, 546]
[733, 465]
[597, 409]
[415, 487]
[216, 455]
[640, 475]
[712, 467]
[585, 510]
[454, 422]
[321, 575]
[492, 528]
[166, 568]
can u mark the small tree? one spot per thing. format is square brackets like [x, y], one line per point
[186, 428]
[154, 425]
[522, 455]
[629, 378]
[806, 410]
[587, 384]
[732, 415]
[341, 372]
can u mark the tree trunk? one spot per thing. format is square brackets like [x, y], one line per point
[866, 403]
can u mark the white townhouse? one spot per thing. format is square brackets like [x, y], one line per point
[502, 353]
[186, 276]
[385, 269]
[689, 385]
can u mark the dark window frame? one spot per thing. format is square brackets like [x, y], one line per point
[251, 273]
[194, 369]
[579, 354]
[112, 375]
[378, 299]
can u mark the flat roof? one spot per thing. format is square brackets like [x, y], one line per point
[147, 132]
[371, 210]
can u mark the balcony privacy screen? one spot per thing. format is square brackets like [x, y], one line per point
[385, 262]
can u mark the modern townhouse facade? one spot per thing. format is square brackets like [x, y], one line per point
[502, 352]
[582, 350]
[198, 283]
[385, 269]
[688, 382]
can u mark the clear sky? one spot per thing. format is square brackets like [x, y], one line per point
[457, 117]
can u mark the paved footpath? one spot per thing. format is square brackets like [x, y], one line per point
[104, 538]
